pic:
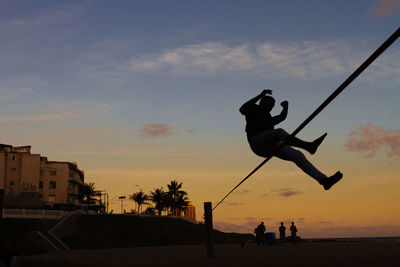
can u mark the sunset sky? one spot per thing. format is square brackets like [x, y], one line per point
[140, 93]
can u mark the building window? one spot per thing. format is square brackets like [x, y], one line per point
[40, 184]
[52, 185]
[53, 173]
[41, 172]
[13, 157]
[13, 169]
[12, 183]
[52, 198]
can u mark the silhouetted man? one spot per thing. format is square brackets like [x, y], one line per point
[282, 232]
[9, 256]
[293, 231]
[259, 231]
[263, 137]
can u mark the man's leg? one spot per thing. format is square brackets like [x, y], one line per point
[311, 147]
[294, 155]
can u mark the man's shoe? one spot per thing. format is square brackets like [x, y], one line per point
[329, 182]
[315, 144]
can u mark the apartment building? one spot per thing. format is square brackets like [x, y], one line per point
[59, 182]
[30, 180]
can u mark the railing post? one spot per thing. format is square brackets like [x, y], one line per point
[208, 226]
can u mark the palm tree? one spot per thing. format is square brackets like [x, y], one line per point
[140, 198]
[158, 198]
[167, 201]
[181, 203]
[177, 197]
[87, 192]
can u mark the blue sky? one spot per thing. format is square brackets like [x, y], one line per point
[156, 85]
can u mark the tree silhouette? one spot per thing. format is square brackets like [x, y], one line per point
[177, 197]
[87, 192]
[158, 197]
[167, 202]
[140, 198]
[181, 203]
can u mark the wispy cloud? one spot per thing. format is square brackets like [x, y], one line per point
[44, 16]
[370, 138]
[247, 227]
[395, 113]
[383, 8]
[286, 192]
[190, 131]
[20, 87]
[7, 93]
[236, 228]
[55, 116]
[241, 192]
[156, 130]
[234, 203]
[206, 57]
[306, 59]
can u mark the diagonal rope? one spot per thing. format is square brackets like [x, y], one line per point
[354, 75]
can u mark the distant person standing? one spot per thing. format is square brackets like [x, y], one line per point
[282, 232]
[260, 234]
[293, 231]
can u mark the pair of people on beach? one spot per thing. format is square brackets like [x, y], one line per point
[293, 232]
[263, 138]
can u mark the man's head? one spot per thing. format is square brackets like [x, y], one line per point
[281, 223]
[267, 103]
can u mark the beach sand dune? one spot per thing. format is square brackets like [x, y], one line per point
[304, 254]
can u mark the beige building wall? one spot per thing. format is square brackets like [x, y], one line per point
[54, 188]
[21, 171]
[75, 179]
[19, 175]
[2, 167]
[13, 173]
[60, 182]
[29, 166]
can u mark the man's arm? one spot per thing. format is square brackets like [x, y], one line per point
[281, 117]
[245, 107]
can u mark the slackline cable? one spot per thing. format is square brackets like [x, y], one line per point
[354, 75]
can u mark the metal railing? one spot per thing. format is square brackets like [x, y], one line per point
[33, 214]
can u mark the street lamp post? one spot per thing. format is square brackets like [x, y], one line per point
[122, 202]
[107, 202]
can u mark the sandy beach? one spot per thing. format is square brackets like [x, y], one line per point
[303, 254]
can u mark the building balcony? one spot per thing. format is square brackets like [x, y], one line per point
[75, 181]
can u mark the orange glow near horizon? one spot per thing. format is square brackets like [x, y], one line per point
[362, 204]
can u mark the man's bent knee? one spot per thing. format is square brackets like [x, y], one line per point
[281, 134]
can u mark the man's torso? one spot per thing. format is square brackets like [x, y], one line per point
[257, 121]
